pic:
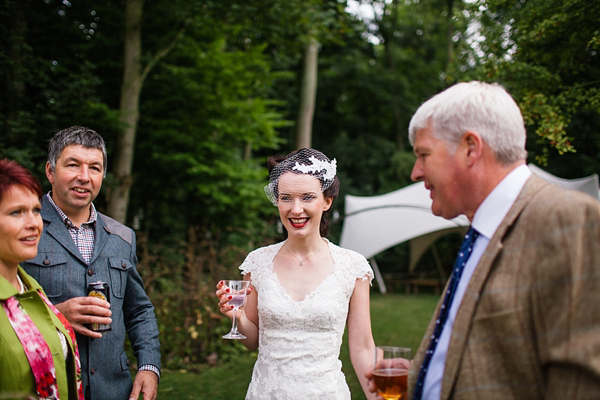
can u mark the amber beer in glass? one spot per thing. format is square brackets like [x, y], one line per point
[390, 371]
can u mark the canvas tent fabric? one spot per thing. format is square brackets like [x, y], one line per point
[376, 223]
[588, 184]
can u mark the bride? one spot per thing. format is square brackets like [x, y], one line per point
[304, 291]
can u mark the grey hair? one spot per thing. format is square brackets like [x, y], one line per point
[485, 108]
[75, 135]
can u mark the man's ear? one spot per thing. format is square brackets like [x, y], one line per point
[49, 172]
[474, 146]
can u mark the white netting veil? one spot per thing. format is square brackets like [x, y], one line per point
[306, 161]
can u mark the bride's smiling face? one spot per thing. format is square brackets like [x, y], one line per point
[301, 203]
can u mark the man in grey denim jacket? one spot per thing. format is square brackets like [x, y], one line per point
[79, 246]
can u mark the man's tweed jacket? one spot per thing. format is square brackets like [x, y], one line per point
[528, 326]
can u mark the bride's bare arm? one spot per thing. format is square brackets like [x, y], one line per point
[248, 324]
[360, 337]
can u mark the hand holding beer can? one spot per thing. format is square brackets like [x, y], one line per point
[101, 291]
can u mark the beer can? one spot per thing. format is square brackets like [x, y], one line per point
[99, 290]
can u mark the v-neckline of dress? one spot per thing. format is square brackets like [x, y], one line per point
[315, 290]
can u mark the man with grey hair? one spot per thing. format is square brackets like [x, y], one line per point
[79, 246]
[519, 318]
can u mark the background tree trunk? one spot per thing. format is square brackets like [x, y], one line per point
[130, 98]
[133, 81]
[388, 43]
[308, 94]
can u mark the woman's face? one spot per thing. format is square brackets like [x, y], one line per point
[20, 225]
[301, 203]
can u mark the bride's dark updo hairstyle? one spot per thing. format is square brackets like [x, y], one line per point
[332, 191]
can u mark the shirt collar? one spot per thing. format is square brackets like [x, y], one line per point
[66, 220]
[494, 208]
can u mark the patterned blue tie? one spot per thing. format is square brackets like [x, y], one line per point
[459, 265]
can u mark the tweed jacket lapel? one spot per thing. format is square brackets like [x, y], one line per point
[468, 306]
[56, 228]
[413, 374]
[100, 239]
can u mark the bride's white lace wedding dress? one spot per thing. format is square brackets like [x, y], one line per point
[299, 341]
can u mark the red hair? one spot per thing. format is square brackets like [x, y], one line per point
[12, 173]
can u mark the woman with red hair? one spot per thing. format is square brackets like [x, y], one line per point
[38, 350]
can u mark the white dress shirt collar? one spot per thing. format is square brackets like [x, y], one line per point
[494, 208]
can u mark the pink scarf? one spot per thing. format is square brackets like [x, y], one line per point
[36, 349]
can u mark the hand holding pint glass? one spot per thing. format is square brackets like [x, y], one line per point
[390, 371]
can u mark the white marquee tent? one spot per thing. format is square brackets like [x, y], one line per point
[376, 223]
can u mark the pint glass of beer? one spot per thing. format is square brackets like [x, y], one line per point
[390, 371]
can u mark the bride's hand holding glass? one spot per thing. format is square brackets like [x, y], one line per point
[232, 296]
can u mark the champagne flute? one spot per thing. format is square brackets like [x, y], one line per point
[238, 291]
[390, 371]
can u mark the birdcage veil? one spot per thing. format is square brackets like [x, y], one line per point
[306, 161]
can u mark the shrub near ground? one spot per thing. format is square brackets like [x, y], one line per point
[180, 279]
[396, 320]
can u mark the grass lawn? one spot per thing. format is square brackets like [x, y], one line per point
[396, 320]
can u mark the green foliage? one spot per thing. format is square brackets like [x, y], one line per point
[47, 85]
[205, 114]
[546, 54]
[191, 327]
[181, 279]
[367, 93]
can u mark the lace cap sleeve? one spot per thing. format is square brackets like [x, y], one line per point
[258, 261]
[356, 265]
[363, 269]
[249, 265]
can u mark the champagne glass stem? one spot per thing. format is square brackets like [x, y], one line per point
[234, 328]
[237, 298]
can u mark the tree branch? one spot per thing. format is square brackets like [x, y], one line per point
[162, 53]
